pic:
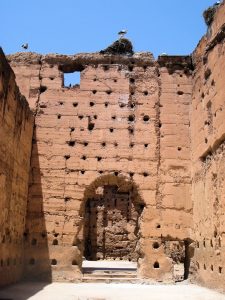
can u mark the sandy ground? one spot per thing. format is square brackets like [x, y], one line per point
[102, 291]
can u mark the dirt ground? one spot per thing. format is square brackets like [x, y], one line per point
[102, 291]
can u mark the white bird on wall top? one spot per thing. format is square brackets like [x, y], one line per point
[122, 33]
[25, 46]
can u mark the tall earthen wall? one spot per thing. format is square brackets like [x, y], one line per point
[174, 180]
[127, 165]
[16, 128]
[117, 128]
[208, 154]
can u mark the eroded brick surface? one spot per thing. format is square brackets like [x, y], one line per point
[111, 218]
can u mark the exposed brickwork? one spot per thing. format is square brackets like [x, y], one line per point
[16, 128]
[111, 218]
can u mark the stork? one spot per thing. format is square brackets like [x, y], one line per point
[25, 46]
[122, 33]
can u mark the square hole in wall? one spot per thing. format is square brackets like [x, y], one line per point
[72, 79]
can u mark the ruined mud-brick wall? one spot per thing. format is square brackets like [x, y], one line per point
[16, 127]
[208, 154]
[126, 125]
[173, 196]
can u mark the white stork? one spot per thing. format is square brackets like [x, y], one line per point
[122, 33]
[25, 46]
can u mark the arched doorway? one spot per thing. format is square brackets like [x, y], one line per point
[112, 220]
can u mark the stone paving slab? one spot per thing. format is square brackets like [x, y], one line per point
[109, 264]
[102, 291]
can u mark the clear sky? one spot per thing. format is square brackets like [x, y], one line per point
[73, 26]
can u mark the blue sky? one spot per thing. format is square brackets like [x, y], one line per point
[72, 26]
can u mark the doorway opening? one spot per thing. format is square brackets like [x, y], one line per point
[111, 230]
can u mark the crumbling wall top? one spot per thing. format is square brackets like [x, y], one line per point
[25, 58]
[77, 62]
[6, 73]
[175, 62]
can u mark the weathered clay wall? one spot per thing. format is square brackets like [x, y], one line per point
[208, 155]
[135, 154]
[174, 180]
[16, 128]
[112, 130]
[28, 76]
[170, 216]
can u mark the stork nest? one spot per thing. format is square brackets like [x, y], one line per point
[121, 46]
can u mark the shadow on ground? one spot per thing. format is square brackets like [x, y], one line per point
[21, 291]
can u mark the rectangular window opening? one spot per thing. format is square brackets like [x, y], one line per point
[72, 80]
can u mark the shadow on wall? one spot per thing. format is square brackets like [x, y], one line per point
[37, 261]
